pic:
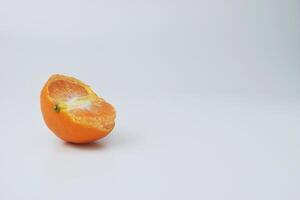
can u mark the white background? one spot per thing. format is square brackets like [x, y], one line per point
[207, 95]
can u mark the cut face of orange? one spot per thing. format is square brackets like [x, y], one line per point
[74, 112]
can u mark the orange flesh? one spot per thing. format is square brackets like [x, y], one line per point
[73, 99]
[62, 90]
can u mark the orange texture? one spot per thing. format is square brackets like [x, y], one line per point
[74, 112]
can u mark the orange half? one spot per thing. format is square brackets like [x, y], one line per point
[74, 112]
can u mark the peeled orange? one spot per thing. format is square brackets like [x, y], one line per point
[74, 112]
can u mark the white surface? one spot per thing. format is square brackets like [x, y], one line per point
[206, 92]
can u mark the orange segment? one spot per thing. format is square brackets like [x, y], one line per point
[74, 112]
[95, 113]
[64, 90]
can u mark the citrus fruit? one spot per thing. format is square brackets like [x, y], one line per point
[74, 112]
